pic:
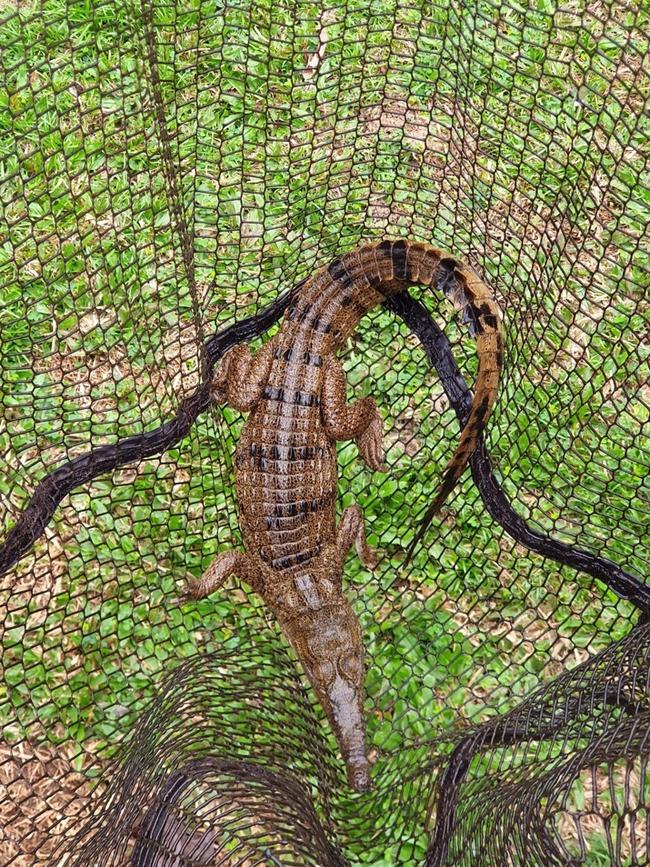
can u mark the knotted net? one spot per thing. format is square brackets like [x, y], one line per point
[170, 169]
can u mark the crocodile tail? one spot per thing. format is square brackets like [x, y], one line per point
[480, 311]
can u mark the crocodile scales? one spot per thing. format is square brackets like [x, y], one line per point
[294, 390]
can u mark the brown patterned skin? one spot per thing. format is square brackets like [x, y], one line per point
[286, 476]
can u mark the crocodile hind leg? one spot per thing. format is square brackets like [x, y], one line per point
[222, 567]
[240, 376]
[352, 529]
[360, 421]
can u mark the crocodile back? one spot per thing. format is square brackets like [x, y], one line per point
[286, 465]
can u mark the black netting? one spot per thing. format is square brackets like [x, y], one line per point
[168, 171]
[560, 774]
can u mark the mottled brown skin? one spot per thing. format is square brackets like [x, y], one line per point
[295, 391]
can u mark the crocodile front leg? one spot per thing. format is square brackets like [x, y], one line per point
[359, 421]
[222, 567]
[240, 377]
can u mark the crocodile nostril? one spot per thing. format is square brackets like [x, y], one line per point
[359, 777]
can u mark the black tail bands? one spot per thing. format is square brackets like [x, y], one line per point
[480, 311]
[82, 469]
[440, 355]
[419, 264]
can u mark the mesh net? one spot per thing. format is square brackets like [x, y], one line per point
[167, 171]
[563, 772]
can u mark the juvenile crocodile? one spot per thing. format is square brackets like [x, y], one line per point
[285, 463]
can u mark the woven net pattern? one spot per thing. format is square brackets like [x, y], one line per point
[561, 779]
[220, 782]
[168, 171]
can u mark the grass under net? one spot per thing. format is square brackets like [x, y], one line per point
[228, 766]
[170, 169]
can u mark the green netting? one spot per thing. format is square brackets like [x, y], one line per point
[168, 169]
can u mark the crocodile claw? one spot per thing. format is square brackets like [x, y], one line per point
[192, 591]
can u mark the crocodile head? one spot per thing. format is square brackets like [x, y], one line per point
[327, 640]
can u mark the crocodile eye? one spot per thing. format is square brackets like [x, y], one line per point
[351, 667]
[324, 671]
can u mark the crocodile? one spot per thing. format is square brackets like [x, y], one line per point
[294, 389]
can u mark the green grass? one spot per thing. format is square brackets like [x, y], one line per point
[277, 170]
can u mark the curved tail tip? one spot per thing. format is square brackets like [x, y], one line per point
[431, 512]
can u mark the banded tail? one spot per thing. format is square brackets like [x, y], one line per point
[412, 263]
